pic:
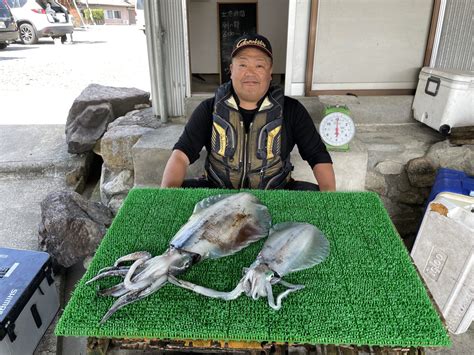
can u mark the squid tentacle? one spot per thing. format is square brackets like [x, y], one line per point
[281, 296]
[128, 283]
[226, 296]
[133, 257]
[113, 272]
[123, 271]
[271, 299]
[109, 268]
[132, 296]
[114, 291]
[122, 301]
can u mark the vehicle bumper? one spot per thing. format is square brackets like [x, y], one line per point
[55, 31]
[7, 37]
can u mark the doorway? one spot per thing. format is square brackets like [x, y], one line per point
[205, 29]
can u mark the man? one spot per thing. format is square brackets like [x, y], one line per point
[249, 129]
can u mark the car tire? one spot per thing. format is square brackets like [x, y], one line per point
[63, 39]
[3, 45]
[28, 34]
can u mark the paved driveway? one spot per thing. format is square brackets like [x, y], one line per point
[38, 83]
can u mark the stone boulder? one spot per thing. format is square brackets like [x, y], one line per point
[94, 109]
[143, 118]
[114, 187]
[116, 145]
[88, 127]
[421, 172]
[446, 155]
[71, 227]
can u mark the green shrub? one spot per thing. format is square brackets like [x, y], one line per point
[97, 14]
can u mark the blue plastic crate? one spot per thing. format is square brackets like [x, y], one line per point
[449, 180]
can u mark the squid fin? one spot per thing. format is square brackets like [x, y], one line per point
[209, 201]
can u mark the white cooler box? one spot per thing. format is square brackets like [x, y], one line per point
[444, 99]
[28, 299]
[444, 255]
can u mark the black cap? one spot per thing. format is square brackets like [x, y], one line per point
[252, 40]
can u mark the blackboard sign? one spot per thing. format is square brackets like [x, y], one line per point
[235, 20]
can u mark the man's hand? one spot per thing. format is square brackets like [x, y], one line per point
[175, 169]
[324, 174]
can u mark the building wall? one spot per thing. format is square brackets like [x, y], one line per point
[125, 14]
[297, 44]
[272, 22]
[383, 48]
[456, 45]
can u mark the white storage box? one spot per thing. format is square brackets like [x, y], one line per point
[444, 255]
[444, 99]
[28, 299]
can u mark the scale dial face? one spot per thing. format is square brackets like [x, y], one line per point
[337, 129]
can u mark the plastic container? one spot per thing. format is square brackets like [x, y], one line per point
[444, 255]
[449, 180]
[444, 99]
[28, 299]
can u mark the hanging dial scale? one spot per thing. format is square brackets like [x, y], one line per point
[337, 128]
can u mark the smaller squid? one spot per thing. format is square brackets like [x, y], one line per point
[290, 247]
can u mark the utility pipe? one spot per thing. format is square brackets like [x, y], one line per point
[154, 37]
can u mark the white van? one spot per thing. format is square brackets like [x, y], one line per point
[41, 18]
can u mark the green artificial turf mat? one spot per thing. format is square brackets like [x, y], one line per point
[366, 293]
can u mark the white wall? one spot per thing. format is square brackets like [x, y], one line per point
[298, 31]
[370, 44]
[272, 22]
[365, 44]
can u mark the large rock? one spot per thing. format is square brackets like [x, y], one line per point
[71, 227]
[114, 187]
[389, 167]
[88, 127]
[142, 118]
[376, 182]
[152, 151]
[116, 145]
[94, 109]
[445, 155]
[421, 172]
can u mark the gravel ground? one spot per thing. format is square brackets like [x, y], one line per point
[39, 82]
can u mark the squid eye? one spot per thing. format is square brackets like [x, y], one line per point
[269, 275]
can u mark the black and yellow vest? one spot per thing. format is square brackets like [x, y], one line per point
[247, 160]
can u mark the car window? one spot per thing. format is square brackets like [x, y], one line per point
[4, 12]
[16, 3]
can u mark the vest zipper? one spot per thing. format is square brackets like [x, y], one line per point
[244, 154]
[216, 177]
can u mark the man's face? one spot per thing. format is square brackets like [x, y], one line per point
[251, 73]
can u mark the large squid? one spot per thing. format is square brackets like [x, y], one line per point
[219, 226]
[290, 247]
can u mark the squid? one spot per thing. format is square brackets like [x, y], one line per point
[290, 247]
[219, 226]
